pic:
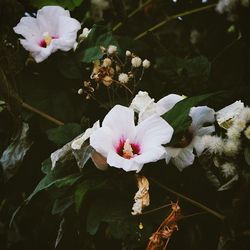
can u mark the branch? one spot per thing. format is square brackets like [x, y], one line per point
[193, 202]
[168, 19]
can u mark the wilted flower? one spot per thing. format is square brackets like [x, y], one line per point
[128, 146]
[53, 29]
[141, 198]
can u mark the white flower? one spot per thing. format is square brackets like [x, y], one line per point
[228, 169]
[136, 62]
[123, 78]
[84, 34]
[128, 53]
[127, 146]
[144, 105]
[214, 144]
[182, 154]
[112, 49]
[146, 64]
[53, 29]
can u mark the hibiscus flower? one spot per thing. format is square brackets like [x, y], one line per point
[129, 146]
[51, 30]
[182, 154]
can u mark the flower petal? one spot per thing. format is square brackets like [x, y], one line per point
[28, 28]
[102, 140]
[48, 18]
[117, 161]
[167, 102]
[205, 130]
[198, 144]
[120, 120]
[153, 131]
[184, 159]
[201, 115]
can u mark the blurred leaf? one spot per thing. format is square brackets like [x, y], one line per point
[2, 105]
[13, 156]
[62, 204]
[69, 4]
[63, 134]
[178, 117]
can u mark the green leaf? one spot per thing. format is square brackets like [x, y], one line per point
[13, 156]
[93, 51]
[69, 4]
[63, 134]
[62, 204]
[178, 117]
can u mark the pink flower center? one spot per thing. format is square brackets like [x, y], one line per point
[47, 39]
[126, 149]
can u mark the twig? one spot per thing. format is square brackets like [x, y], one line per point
[44, 115]
[168, 19]
[132, 14]
[155, 209]
[193, 202]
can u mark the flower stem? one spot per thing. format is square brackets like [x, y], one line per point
[44, 115]
[168, 19]
[193, 202]
[132, 14]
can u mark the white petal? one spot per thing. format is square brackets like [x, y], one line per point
[167, 102]
[205, 130]
[48, 18]
[120, 120]
[117, 161]
[102, 140]
[153, 131]
[198, 144]
[152, 155]
[141, 101]
[201, 115]
[173, 152]
[184, 159]
[28, 28]
[37, 52]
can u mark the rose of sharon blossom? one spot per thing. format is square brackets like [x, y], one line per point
[129, 146]
[181, 154]
[51, 30]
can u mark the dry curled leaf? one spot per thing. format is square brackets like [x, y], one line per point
[142, 195]
[159, 240]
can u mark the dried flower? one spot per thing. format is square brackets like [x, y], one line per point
[107, 62]
[136, 62]
[123, 78]
[214, 144]
[142, 195]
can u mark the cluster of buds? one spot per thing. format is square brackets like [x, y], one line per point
[111, 70]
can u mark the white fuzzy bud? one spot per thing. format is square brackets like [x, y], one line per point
[107, 62]
[123, 78]
[213, 144]
[233, 133]
[231, 147]
[128, 53]
[80, 91]
[228, 169]
[112, 49]
[146, 64]
[84, 34]
[136, 62]
[247, 133]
